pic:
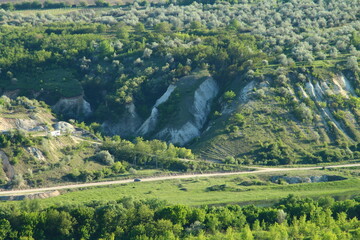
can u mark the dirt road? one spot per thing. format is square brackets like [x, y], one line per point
[105, 183]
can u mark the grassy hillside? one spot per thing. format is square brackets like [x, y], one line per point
[36, 157]
[284, 119]
[37, 150]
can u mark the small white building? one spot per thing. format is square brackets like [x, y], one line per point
[55, 133]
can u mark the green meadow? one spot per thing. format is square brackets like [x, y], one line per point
[229, 189]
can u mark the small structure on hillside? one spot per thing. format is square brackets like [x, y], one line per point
[55, 133]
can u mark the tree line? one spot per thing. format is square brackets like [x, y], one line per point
[49, 5]
[289, 218]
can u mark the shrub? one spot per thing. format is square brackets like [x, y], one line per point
[101, 3]
[229, 96]
[118, 167]
[104, 157]
[132, 171]
[302, 112]
[229, 160]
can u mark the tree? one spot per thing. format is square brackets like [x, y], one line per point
[5, 229]
[83, 4]
[229, 160]
[246, 233]
[196, 25]
[58, 225]
[163, 27]
[176, 214]
[303, 112]
[229, 96]
[104, 157]
[147, 53]
[118, 167]
[105, 48]
[353, 51]
[17, 181]
[352, 63]
[282, 59]
[122, 31]
[7, 6]
[334, 52]
[281, 216]
[282, 80]
[85, 222]
[235, 25]
[102, 3]
[101, 28]
[139, 27]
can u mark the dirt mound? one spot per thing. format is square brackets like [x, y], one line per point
[31, 196]
[309, 179]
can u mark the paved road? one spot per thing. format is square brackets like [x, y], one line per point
[105, 183]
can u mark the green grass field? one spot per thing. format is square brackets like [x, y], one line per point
[194, 191]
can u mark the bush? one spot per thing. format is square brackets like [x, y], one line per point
[7, 6]
[229, 160]
[303, 113]
[132, 171]
[101, 3]
[104, 157]
[229, 96]
[51, 5]
[239, 119]
[118, 167]
[28, 5]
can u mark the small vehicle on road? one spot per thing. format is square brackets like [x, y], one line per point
[137, 180]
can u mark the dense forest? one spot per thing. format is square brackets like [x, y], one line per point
[290, 218]
[128, 69]
[125, 67]
[125, 53]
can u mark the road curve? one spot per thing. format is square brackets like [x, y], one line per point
[105, 183]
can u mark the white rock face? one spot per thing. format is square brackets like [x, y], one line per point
[180, 136]
[327, 90]
[86, 108]
[310, 89]
[26, 124]
[206, 92]
[245, 92]
[348, 85]
[242, 97]
[179, 131]
[339, 85]
[303, 93]
[199, 109]
[317, 94]
[73, 107]
[319, 91]
[151, 121]
[36, 153]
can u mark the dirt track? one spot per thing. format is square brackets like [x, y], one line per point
[104, 183]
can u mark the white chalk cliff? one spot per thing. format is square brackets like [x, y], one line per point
[198, 111]
[197, 94]
[151, 121]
